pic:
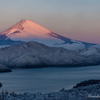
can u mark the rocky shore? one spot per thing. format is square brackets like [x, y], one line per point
[89, 91]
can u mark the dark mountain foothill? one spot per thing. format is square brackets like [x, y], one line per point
[3, 68]
[0, 85]
[87, 83]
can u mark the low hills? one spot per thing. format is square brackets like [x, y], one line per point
[36, 55]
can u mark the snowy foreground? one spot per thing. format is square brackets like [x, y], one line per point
[90, 92]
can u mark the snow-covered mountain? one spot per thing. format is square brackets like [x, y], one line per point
[89, 52]
[33, 54]
[27, 30]
[92, 54]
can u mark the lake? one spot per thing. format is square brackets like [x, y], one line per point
[50, 79]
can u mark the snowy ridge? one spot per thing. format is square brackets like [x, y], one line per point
[89, 51]
[33, 54]
[27, 30]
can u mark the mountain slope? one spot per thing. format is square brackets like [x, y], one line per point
[93, 54]
[33, 54]
[26, 30]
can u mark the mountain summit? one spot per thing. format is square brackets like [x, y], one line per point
[27, 30]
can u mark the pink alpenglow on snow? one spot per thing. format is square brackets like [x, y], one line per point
[27, 30]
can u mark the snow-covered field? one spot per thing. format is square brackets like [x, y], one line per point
[90, 92]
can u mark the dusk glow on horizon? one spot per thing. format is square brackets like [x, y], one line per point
[75, 19]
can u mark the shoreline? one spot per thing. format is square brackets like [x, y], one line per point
[91, 89]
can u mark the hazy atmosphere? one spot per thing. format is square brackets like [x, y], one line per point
[76, 19]
[49, 49]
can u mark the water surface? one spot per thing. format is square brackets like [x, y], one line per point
[47, 79]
